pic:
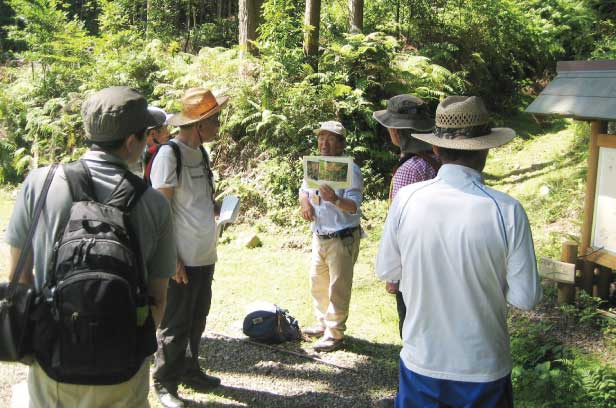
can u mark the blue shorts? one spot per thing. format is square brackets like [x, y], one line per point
[419, 391]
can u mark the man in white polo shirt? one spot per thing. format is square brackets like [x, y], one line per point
[461, 251]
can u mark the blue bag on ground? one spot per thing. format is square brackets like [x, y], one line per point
[268, 323]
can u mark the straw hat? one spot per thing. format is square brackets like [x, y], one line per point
[463, 123]
[197, 104]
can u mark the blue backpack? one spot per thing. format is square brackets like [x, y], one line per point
[269, 323]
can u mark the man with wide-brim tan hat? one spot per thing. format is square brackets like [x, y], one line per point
[462, 251]
[187, 181]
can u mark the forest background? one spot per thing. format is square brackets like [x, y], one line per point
[289, 64]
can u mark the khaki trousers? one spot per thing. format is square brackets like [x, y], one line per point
[331, 280]
[44, 392]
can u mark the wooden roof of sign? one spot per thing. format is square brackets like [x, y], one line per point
[584, 90]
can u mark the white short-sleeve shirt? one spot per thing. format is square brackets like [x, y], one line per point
[461, 251]
[191, 205]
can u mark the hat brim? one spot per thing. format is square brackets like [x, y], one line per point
[386, 118]
[179, 119]
[319, 130]
[497, 137]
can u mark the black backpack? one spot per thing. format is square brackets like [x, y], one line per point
[269, 323]
[149, 161]
[94, 325]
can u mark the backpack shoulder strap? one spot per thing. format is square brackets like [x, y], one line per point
[208, 171]
[79, 181]
[205, 155]
[178, 158]
[127, 192]
[178, 162]
[125, 196]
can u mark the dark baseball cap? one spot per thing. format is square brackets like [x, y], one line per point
[114, 113]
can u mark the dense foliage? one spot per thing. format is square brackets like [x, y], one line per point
[60, 50]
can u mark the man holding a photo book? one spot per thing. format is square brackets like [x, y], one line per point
[335, 216]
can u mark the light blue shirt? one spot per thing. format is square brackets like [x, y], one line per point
[461, 251]
[330, 218]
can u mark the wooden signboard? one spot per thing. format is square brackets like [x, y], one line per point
[557, 271]
[604, 220]
[599, 230]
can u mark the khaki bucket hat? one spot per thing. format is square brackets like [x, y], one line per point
[197, 104]
[463, 123]
[405, 112]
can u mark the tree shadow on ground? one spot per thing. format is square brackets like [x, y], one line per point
[258, 376]
[573, 158]
[527, 126]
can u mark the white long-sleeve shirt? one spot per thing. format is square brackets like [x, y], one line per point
[461, 251]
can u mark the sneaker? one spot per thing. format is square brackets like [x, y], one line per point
[168, 396]
[199, 380]
[326, 344]
[314, 331]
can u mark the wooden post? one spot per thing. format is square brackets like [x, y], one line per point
[588, 273]
[566, 292]
[603, 282]
[596, 128]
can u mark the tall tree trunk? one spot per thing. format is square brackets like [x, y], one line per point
[148, 11]
[249, 20]
[356, 16]
[312, 20]
[398, 19]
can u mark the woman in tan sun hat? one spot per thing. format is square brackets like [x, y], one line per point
[181, 171]
[462, 252]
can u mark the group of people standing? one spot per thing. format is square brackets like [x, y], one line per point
[453, 251]
[173, 225]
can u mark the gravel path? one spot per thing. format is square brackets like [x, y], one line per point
[257, 376]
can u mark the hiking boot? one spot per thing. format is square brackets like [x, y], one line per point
[314, 331]
[326, 344]
[198, 380]
[168, 396]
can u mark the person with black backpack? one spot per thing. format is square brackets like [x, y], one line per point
[181, 170]
[102, 252]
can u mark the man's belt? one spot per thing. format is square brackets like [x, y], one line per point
[343, 233]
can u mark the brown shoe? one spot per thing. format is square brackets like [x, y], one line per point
[326, 344]
[314, 331]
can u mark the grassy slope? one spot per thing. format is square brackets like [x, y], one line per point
[277, 272]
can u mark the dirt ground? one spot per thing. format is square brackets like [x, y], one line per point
[255, 375]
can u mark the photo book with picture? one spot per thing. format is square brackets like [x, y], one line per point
[335, 171]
